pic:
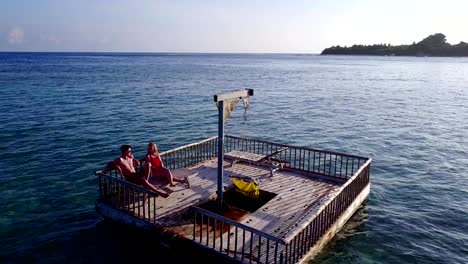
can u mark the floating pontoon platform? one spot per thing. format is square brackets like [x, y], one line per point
[306, 196]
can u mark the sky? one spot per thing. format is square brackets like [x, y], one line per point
[229, 26]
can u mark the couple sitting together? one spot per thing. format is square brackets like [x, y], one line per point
[153, 166]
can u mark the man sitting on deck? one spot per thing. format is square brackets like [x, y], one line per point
[125, 166]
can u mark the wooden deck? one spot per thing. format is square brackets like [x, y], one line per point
[297, 196]
[313, 193]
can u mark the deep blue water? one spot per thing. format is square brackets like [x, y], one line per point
[64, 115]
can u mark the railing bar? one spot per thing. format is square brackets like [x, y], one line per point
[154, 208]
[336, 159]
[267, 251]
[109, 190]
[229, 239]
[207, 230]
[235, 243]
[201, 227]
[319, 159]
[104, 187]
[125, 197]
[200, 153]
[221, 237]
[100, 186]
[139, 208]
[251, 247]
[133, 199]
[313, 167]
[259, 248]
[303, 159]
[276, 252]
[286, 254]
[291, 251]
[214, 233]
[295, 157]
[143, 205]
[296, 248]
[111, 193]
[303, 242]
[194, 225]
[325, 163]
[203, 148]
[341, 166]
[243, 245]
[300, 159]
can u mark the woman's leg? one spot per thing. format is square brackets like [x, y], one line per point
[164, 172]
[168, 175]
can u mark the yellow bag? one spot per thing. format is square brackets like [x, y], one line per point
[248, 188]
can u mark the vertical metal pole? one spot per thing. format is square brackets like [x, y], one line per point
[220, 152]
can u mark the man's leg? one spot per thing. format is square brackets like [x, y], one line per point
[146, 171]
[144, 175]
[151, 187]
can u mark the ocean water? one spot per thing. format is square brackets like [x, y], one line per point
[64, 115]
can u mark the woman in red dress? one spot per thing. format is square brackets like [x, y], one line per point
[157, 166]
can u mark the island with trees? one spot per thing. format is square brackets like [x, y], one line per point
[434, 45]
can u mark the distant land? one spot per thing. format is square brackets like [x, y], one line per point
[434, 45]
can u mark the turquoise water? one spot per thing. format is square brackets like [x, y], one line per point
[65, 115]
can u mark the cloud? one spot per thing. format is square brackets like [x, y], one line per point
[16, 36]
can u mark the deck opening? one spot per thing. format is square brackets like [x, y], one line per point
[236, 199]
[236, 205]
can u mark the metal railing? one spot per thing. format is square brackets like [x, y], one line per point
[299, 244]
[191, 154]
[139, 202]
[326, 163]
[235, 240]
[261, 247]
[127, 197]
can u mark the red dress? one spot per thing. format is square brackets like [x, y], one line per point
[156, 166]
[156, 161]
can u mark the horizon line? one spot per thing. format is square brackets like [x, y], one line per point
[169, 52]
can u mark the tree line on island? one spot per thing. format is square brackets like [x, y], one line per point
[434, 45]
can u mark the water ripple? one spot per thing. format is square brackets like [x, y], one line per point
[65, 115]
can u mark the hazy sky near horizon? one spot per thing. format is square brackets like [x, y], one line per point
[295, 26]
